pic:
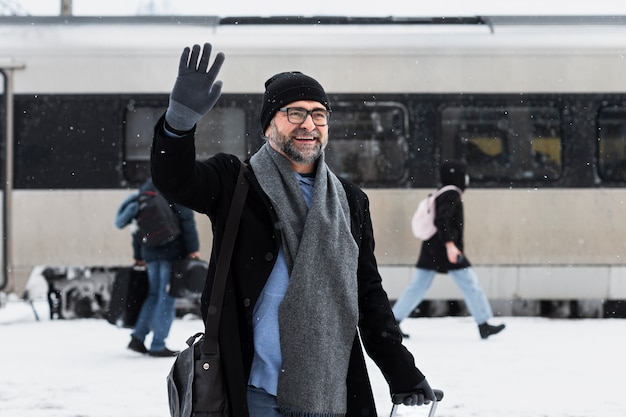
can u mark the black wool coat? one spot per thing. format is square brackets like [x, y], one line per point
[207, 187]
[449, 222]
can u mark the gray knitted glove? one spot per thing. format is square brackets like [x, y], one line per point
[195, 91]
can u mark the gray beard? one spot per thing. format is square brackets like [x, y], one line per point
[285, 145]
[296, 156]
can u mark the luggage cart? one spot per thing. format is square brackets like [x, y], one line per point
[433, 406]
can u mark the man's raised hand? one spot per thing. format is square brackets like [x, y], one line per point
[196, 91]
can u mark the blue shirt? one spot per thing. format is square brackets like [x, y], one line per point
[267, 359]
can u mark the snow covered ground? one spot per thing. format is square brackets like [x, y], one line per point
[536, 367]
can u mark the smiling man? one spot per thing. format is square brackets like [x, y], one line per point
[298, 131]
[303, 283]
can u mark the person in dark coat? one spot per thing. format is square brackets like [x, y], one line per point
[303, 283]
[159, 309]
[443, 253]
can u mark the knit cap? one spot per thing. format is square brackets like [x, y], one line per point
[287, 87]
[453, 173]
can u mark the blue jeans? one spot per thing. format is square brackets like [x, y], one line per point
[158, 310]
[262, 404]
[465, 278]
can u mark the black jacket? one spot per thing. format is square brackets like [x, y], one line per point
[449, 222]
[207, 187]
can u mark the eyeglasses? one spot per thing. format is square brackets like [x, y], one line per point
[298, 115]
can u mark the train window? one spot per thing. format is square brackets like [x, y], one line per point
[612, 143]
[368, 143]
[504, 143]
[218, 124]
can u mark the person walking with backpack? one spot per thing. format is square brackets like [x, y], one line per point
[180, 240]
[443, 253]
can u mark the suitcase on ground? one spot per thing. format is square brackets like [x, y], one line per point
[188, 277]
[433, 406]
[130, 289]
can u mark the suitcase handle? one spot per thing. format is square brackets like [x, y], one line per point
[438, 394]
[433, 407]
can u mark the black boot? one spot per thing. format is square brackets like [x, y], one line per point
[137, 345]
[404, 335]
[165, 353]
[487, 329]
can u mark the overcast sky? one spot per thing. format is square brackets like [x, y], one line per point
[318, 7]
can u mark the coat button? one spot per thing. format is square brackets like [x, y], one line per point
[246, 302]
[269, 256]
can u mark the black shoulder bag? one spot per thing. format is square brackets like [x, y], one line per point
[195, 383]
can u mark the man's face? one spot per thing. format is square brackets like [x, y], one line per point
[302, 143]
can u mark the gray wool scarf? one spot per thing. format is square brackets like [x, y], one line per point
[319, 315]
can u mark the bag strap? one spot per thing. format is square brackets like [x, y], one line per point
[209, 346]
[432, 197]
[446, 188]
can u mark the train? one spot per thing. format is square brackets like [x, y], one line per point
[535, 105]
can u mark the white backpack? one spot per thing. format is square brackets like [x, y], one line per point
[423, 221]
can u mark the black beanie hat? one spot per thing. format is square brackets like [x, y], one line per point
[453, 173]
[287, 87]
